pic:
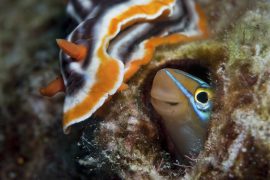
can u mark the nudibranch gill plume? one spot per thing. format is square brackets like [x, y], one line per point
[110, 44]
[184, 102]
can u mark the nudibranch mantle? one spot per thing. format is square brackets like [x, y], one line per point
[119, 37]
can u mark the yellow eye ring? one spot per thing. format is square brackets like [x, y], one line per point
[203, 95]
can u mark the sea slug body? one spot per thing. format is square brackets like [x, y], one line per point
[112, 41]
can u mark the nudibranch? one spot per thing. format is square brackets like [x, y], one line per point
[184, 102]
[110, 44]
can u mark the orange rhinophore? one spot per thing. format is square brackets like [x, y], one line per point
[77, 52]
[118, 37]
[53, 87]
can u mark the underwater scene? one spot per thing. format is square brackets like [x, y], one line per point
[134, 89]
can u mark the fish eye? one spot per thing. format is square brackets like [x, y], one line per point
[202, 98]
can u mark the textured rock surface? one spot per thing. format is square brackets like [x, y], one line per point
[32, 145]
[238, 141]
[128, 141]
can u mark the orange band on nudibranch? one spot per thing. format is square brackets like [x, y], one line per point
[148, 10]
[99, 69]
[109, 70]
[104, 82]
[123, 87]
[153, 43]
[202, 24]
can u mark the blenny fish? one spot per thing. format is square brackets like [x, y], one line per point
[185, 103]
[112, 41]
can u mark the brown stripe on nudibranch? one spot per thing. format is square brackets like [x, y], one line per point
[119, 37]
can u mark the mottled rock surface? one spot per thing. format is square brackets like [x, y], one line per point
[32, 144]
[237, 57]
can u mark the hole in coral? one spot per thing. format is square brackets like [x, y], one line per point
[189, 150]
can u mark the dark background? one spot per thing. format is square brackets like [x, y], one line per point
[32, 144]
